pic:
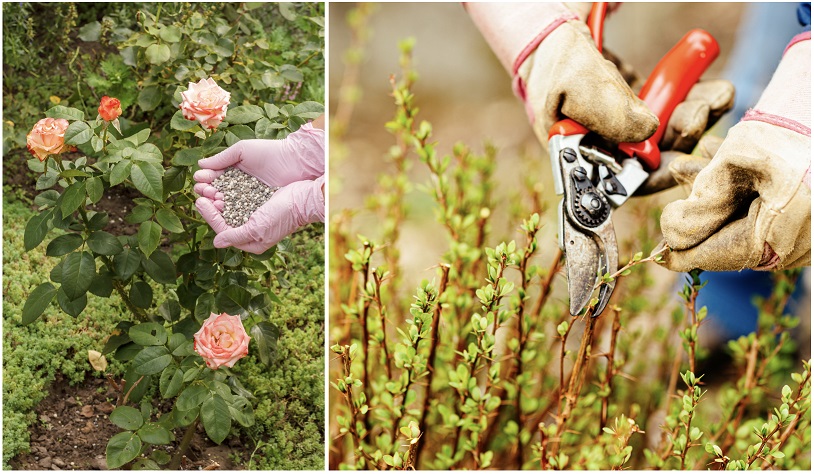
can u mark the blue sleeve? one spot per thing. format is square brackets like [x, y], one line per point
[804, 15]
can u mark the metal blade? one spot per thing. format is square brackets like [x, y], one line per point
[582, 259]
[609, 263]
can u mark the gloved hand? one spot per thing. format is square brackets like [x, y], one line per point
[558, 72]
[300, 156]
[750, 204]
[292, 206]
[296, 164]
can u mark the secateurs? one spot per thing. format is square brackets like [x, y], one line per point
[593, 181]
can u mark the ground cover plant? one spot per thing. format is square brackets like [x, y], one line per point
[197, 331]
[482, 366]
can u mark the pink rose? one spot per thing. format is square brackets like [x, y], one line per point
[47, 138]
[205, 102]
[222, 340]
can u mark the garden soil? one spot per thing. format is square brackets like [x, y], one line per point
[73, 428]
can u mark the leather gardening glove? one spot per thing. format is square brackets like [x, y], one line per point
[558, 72]
[750, 203]
[290, 207]
[300, 156]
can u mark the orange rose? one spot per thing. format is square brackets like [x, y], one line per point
[110, 108]
[206, 102]
[47, 138]
[222, 340]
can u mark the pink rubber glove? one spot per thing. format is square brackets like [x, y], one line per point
[292, 206]
[298, 157]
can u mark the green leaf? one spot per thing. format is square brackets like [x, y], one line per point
[47, 198]
[149, 236]
[266, 129]
[157, 54]
[265, 336]
[37, 301]
[271, 110]
[120, 172]
[127, 263]
[287, 11]
[141, 294]
[243, 114]
[191, 397]
[102, 284]
[67, 113]
[64, 244]
[169, 221]
[73, 197]
[150, 97]
[187, 157]
[233, 299]
[78, 133]
[104, 243]
[170, 382]
[149, 153]
[47, 180]
[216, 418]
[72, 307]
[154, 433]
[121, 449]
[139, 214]
[90, 31]
[151, 360]
[204, 307]
[178, 122]
[148, 334]
[78, 271]
[147, 179]
[36, 228]
[212, 142]
[175, 179]
[236, 133]
[74, 173]
[95, 189]
[126, 418]
[308, 109]
[160, 267]
[137, 139]
[170, 34]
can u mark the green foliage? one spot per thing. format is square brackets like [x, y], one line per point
[485, 368]
[168, 276]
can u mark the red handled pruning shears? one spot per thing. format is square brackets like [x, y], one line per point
[594, 181]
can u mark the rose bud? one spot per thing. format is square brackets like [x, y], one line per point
[110, 108]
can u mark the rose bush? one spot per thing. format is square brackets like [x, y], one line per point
[168, 275]
[222, 340]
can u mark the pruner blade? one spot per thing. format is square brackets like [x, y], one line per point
[587, 234]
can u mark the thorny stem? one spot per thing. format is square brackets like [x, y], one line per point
[127, 395]
[436, 321]
[175, 463]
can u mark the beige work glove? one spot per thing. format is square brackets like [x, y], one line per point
[558, 72]
[750, 199]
